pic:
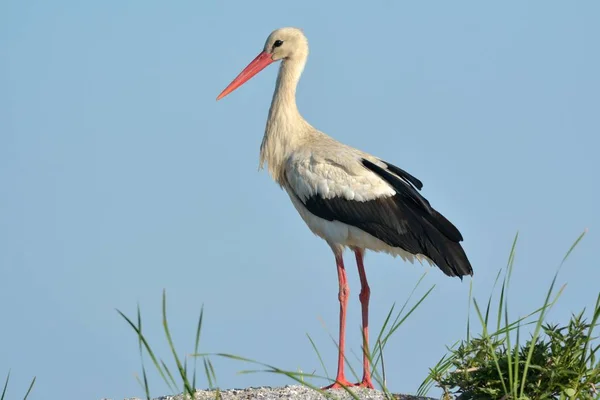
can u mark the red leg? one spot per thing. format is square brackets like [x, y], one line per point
[343, 297]
[365, 294]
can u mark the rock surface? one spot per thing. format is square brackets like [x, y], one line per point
[293, 392]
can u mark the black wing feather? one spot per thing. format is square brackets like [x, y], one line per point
[434, 217]
[400, 172]
[405, 220]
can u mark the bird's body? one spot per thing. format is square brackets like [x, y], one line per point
[348, 197]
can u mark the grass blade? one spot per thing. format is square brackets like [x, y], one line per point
[509, 354]
[383, 371]
[469, 310]
[28, 390]
[187, 388]
[197, 343]
[413, 308]
[593, 324]
[207, 373]
[489, 303]
[145, 384]
[5, 386]
[543, 313]
[507, 276]
[377, 348]
[318, 355]
[148, 349]
[442, 366]
[212, 371]
[378, 342]
[485, 335]
[168, 372]
[517, 360]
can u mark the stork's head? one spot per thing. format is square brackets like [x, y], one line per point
[286, 43]
[282, 44]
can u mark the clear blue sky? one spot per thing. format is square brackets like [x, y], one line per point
[120, 176]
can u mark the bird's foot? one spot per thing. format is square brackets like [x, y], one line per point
[339, 384]
[366, 383]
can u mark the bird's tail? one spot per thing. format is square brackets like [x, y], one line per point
[449, 256]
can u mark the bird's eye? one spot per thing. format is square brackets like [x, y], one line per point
[278, 43]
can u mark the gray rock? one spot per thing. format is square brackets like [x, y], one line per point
[290, 392]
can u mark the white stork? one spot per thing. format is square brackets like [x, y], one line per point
[346, 196]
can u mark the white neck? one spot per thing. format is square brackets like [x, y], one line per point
[285, 126]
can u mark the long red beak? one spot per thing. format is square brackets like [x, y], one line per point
[257, 65]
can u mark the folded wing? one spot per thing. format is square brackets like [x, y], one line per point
[382, 200]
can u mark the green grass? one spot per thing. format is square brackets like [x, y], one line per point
[187, 378]
[556, 362]
[4, 390]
